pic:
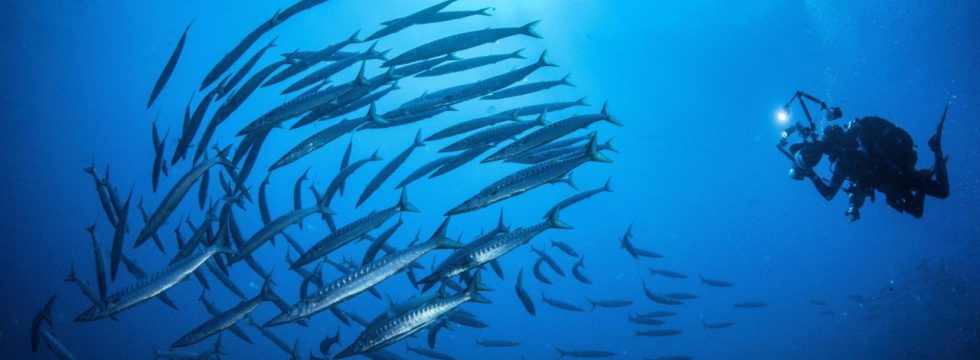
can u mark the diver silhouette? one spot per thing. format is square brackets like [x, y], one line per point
[871, 153]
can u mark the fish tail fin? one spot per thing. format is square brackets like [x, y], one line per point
[91, 168]
[543, 60]
[404, 205]
[71, 273]
[582, 101]
[529, 29]
[608, 117]
[542, 119]
[591, 302]
[418, 139]
[361, 80]
[221, 246]
[701, 277]
[517, 54]
[704, 323]
[564, 80]
[607, 187]
[473, 290]
[440, 239]
[555, 222]
[373, 116]
[46, 313]
[218, 348]
[561, 353]
[593, 151]
[484, 11]
[266, 292]
[354, 37]
[500, 221]
[608, 145]
[571, 182]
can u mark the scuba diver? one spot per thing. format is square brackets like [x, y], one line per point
[871, 153]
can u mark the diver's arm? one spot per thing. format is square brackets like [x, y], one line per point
[827, 190]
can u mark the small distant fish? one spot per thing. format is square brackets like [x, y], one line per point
[589, 354]
[522, 294]
[670, 357]
[658, 298]
[826, 312]
[168, 69]
[818, 302]
[635, 252]
[560, 304]
[538, 274]
[750, 305]
[681, 296]
[565, 248]
[577, 272]
[658, 332]
[717, 325]
[612, 303]
[656, 314]
[857, 297]
[645, 320]
[715, 283]
[497, 343]
[667, 273]
[548, 260]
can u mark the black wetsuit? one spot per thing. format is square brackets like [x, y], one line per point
[875, 155]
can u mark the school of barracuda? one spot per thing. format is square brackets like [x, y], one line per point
[548, 145]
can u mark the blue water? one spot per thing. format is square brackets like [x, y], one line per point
[697, 85]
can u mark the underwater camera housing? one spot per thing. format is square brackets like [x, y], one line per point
[804, 155]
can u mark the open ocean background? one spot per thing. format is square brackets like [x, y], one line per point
[696, 83]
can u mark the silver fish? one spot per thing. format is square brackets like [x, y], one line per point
[366, 277]
[391, 330]
[354, 230]
[552, 132]
[151, 286]
[471, 63]
[473, 257]
[225, 319]
[528, 179]
[176, 194]
[527, 88]
[459, 42]
[389, 169]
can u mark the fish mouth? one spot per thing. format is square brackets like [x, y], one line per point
[459, 209]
